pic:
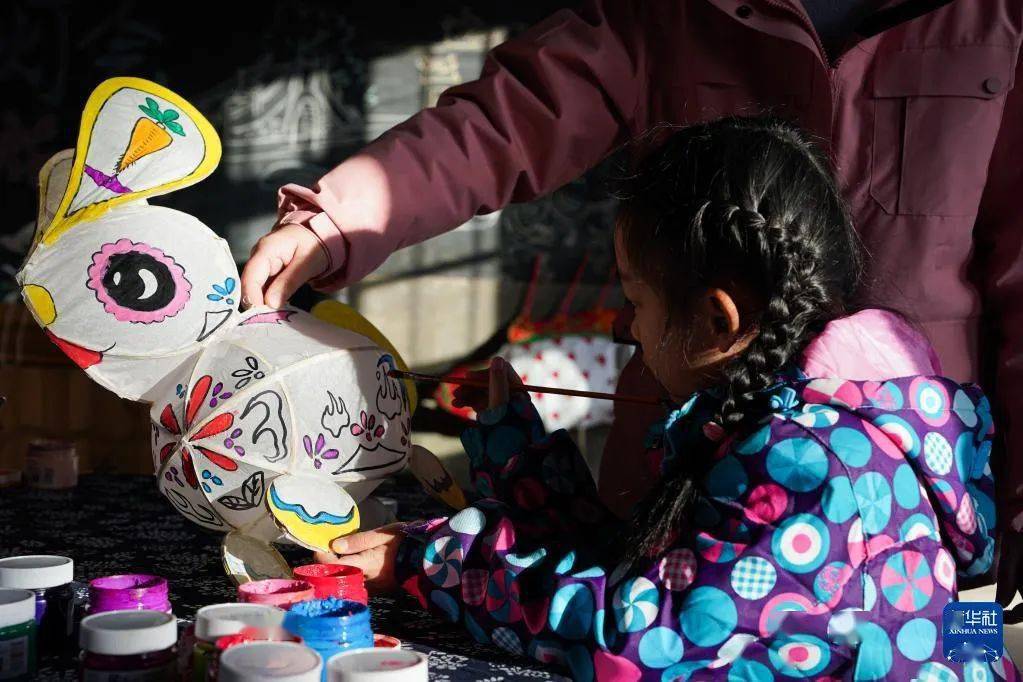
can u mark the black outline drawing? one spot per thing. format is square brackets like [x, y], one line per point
[280, 440]
[252, 494]
[335, 408]
[186, 507]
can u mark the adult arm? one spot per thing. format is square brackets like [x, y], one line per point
[549, 104]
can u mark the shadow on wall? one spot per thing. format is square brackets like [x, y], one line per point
[293, 88]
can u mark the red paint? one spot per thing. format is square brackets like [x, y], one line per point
[82, 357]
[169, 420]
[224, 463]
[219, 424]
[198, 395]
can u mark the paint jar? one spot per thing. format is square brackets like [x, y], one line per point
[330, 626]
[247, 636]
[385, 641]
[10, 478]
[51, 465]
[335, 580]
[220, 620]
[270, 661]
[378, 665]
[57, 610]
[17, 634]
[129, 645]
[280, 592]
[138, 591]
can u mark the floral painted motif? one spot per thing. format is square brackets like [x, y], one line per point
[367, 427]
[316, 452]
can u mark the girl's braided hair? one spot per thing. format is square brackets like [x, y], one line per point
[737, 201]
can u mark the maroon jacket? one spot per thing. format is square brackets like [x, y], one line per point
[920, 115]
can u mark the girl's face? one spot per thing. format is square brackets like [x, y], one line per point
[682, 360]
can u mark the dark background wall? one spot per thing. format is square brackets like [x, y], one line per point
[293, 88]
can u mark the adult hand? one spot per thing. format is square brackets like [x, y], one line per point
[1010, 573]
[374, 552]
[501, 381]
[281, 262]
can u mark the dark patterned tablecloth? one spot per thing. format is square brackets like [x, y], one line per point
[119, 524]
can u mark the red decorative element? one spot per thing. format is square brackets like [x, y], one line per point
[225, 463]
[82, 357]
[169, 420]
[189, 468]
[601, 360]
[555, 374]
[166, 451]
[368, 428]
[222, 422]
[195, 400]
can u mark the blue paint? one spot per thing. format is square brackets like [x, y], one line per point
[330, 626]
[318, 519]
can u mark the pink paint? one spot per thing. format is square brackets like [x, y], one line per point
[132, 591]
[276, 591]
[275, 317]
[101, 262]
[335, 580]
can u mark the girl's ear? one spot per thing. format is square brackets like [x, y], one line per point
[725, 321]
[137, 139]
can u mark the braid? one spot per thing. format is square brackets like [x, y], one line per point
[750, 201]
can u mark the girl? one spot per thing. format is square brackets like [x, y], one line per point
[821, 489]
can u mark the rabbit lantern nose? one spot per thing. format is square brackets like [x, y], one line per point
[41, 303]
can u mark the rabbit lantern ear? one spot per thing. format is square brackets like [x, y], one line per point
[137, 139]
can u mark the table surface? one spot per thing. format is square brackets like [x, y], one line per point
[120, 524]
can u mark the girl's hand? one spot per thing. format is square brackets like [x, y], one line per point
[372, 551]
[501, 381]
[281, 262]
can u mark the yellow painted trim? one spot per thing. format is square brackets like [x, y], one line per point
[347, 317]
[61, 221]
[44, 189]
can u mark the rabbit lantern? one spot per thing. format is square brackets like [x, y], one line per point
[270, 425]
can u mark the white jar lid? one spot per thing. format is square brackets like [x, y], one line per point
[266, 661]
[218, 620]
[127, 633]
[36, 571]
[377, 665]
[16, 607]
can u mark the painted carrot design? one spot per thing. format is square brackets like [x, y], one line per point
[150, 134]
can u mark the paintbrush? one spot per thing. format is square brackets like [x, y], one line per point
[478, 383]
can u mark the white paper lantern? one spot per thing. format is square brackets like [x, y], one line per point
[273, 424]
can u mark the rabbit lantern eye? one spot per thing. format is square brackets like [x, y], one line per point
[136, 282]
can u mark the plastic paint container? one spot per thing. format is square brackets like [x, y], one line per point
[330, 626]
[221, 620]
[17, 634]
[51, 465]
[386, 642]
[335, 580]
[275, 591]
[135, 645]
[378, 665]
[246, 636]
[270, 661]
[51, 579]
[10, 478]
[130, 591]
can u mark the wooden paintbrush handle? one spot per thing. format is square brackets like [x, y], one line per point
[478, 383]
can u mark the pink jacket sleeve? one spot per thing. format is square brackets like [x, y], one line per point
[999, 235]
[549, 104]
